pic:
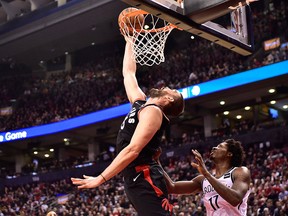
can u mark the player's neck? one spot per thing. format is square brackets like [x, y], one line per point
[221, 168]
[155, 100]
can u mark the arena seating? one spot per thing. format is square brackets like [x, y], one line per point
[268, 164]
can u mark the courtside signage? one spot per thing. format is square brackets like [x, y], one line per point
[232, 81]
[60, 126]
[209, 87]
[13, 136]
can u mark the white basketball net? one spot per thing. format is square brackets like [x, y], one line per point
[148, 39]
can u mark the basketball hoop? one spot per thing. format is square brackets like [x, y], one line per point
[147, 33]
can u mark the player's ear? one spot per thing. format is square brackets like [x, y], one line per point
[169, 98]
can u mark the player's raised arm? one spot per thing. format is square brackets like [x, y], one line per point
[129, 73]
[181, 187]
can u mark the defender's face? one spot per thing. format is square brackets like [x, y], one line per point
[220, 151]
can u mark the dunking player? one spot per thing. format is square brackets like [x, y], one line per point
[226, 192]
[138, 140]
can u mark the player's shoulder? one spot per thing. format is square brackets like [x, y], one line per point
[240, 171]
[150, 110]
[152, 107]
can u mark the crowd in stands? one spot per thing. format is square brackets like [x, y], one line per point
[98, 84]
[269, 189]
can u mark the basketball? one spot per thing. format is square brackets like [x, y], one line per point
[134, 21]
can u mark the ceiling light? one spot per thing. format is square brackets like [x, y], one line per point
[271, 90]
[285, 106]
[247, 108]
[66, 53]
[238, 116]
[273, 102]
[222, 102]
[192, 37]
[46, 155]
[93, 43]
[51, 150]
[35, 152]
[66, 141]
[226, 112]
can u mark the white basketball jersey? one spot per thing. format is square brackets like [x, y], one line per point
[215, 205]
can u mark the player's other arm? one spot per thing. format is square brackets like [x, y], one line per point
[129, 73]
[236, 193]
[150, 120]
[183, 187]
[180, 187]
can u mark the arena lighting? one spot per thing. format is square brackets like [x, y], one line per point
[247, 108]
[271, 91]
[222, 103]
[205, 88]
[273, 102]
[238, 116]
[83, 165]
[226, 112]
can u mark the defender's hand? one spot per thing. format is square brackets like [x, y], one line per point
[199, 165]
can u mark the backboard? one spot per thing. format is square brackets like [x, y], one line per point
[210, 19]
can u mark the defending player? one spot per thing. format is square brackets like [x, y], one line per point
[225, 193]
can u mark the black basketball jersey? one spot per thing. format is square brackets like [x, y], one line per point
[127, 129]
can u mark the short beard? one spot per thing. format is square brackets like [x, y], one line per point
[154, 93]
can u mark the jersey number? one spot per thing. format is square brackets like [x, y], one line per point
[213, 202]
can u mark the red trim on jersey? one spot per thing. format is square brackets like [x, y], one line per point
[146, 171]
